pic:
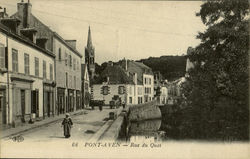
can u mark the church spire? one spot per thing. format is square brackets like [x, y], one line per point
[89, 43]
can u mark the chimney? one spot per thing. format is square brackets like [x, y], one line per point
[125, 64]
[135, 78]
[24, 12]
[72, 43]
[3, 14]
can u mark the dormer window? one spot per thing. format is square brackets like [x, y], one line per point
[30, 33]
[11, 23]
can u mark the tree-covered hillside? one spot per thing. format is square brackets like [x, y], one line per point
[171, 67]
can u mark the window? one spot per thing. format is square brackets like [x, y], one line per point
[105, 90]
[121, 90]
[66, 59]
[2, 57]
[130, 90]
[86, 86]
[26, 64]
[36, 66]
[139, 100]
[75, 82]
[77, 65]
[130, 100]
[92, 60]
[66, 79]
[145, 81]
[74, 64]
[59, 54]
[70, 60]
[51, 71]
[70, 81]
[149, 80]
[140, 90]
[14, 60]
[44, 69]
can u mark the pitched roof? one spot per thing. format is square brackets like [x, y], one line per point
[24, 40]
[55, 34]
[140, 69]
[115, 74]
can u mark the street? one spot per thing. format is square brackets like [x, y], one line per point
[84, 126]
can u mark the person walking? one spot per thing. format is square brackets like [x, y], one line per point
[123, 104]
[67, 125]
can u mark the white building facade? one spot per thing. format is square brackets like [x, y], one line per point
[28, 83]
[68, 76]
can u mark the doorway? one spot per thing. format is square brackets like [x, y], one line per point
[35, 102]
[23, 105]
[3, 119]
[48, 105]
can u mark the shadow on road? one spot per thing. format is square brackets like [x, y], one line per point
[56, 137]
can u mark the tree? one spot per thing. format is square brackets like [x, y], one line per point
[217, 87]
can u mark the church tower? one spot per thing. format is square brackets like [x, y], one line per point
[90, 56]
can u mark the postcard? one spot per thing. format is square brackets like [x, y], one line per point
[124, 79]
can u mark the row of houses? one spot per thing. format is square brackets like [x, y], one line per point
[41, 74]
[129, 81]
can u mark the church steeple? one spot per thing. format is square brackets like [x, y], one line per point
[89, 43]
[90, 56]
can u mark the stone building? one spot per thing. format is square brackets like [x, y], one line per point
[68, 59]
[68, 75]
[27, 75]
[112, 83]
[144, 83]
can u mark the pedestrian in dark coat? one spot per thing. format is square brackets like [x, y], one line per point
[67, 125]
[123, 105]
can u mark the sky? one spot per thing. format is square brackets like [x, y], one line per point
[121, 29]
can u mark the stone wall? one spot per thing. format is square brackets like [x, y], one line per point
[144, 111]
[137, 112]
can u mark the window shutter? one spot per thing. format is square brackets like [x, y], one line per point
[108, 89]
[102, 90]
[6, 57]
[2, 57]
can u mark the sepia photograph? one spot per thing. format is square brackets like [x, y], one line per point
[124, 79]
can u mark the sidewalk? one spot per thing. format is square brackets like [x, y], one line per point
[89, 116]
[26, 127]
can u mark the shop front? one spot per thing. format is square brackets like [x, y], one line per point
[3, 106]
[78, 100]
[21, 95]
[61, 100]
[71, 100]
[48, 100]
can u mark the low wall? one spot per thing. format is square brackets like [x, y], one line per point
[113, 131]
[131, 113]
[144, 111]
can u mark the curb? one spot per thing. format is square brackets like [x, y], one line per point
[38, 126]
[101, 131]
[99, 134]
